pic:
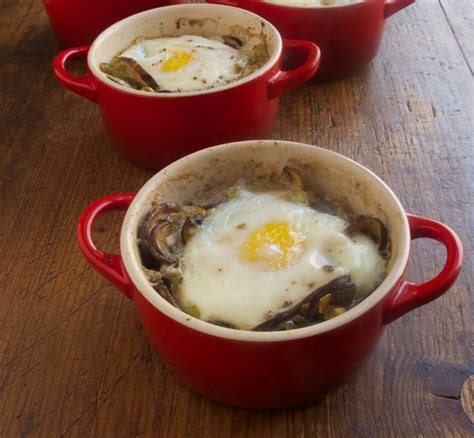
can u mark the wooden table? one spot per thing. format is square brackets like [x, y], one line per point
[74, 360]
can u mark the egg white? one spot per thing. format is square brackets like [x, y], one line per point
[213, 63]
[314, 3]
[226, 288]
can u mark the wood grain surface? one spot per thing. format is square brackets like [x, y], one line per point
[74, 360]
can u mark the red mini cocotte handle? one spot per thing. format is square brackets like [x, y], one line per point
[109, 265]
[82, 85]
[286, 79]
[412, 295]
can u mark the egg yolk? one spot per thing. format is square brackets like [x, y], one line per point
[275, 245]
[178, 60]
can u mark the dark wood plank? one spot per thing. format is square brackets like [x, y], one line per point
[460, 15]
[74, 360]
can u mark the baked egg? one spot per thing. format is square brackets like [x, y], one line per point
[263, 257]
[184, 63]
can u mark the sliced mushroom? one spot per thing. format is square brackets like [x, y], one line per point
[375, 229]
[341, 290]
[190, 227]
[342, 296]
[142, 75]
[220, 198]
[214, 202]
[158, 213]
[232, 41]
[172, 277]
[307, 311]
[166, 229]
[323, 206]
[275, 322]
[164, 291]
[128, 70]
[163, 240]
[119, 81]
[291, 177]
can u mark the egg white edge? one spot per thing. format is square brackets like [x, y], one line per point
[130, 257]
[300, 6]
[100, 75]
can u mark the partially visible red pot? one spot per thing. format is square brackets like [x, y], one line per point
[349, 35]
[154, 129]
[269, 369]
[78, 22]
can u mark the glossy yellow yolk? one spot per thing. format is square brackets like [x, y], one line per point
[275, 245]
[178, 60]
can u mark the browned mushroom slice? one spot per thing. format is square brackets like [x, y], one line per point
[128, 70]
[306, 312]
[165, 293]
[232, 41]
[140, 75]
[215, 201]
[161, 211]
[164, 231]
[323, 206]
[190, 227]
[120, 81]
[375, 229]
[220, 198]
[291, 177]
[118, 70]
[164, 243]
[275, 322]
[342, 296]
[341, 290]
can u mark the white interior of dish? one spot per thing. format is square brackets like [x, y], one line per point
[206, 172]
[216, 20]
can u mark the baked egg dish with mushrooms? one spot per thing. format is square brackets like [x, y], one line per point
[185, 63]
[263, 255]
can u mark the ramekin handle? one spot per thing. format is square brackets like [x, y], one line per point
[109, 265]
[82, 85]
[284, 80]
[412, 295]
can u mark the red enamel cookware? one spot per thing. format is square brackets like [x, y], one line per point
[269, 369]
[154, 129]
[349, 35]
[78, 22]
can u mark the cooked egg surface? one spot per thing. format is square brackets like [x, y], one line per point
[187, 63]
[258, 254]
[314, 3]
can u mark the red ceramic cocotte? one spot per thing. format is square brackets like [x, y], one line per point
[269, 369]
[154, 129]
[349, 35]
[78, 22]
